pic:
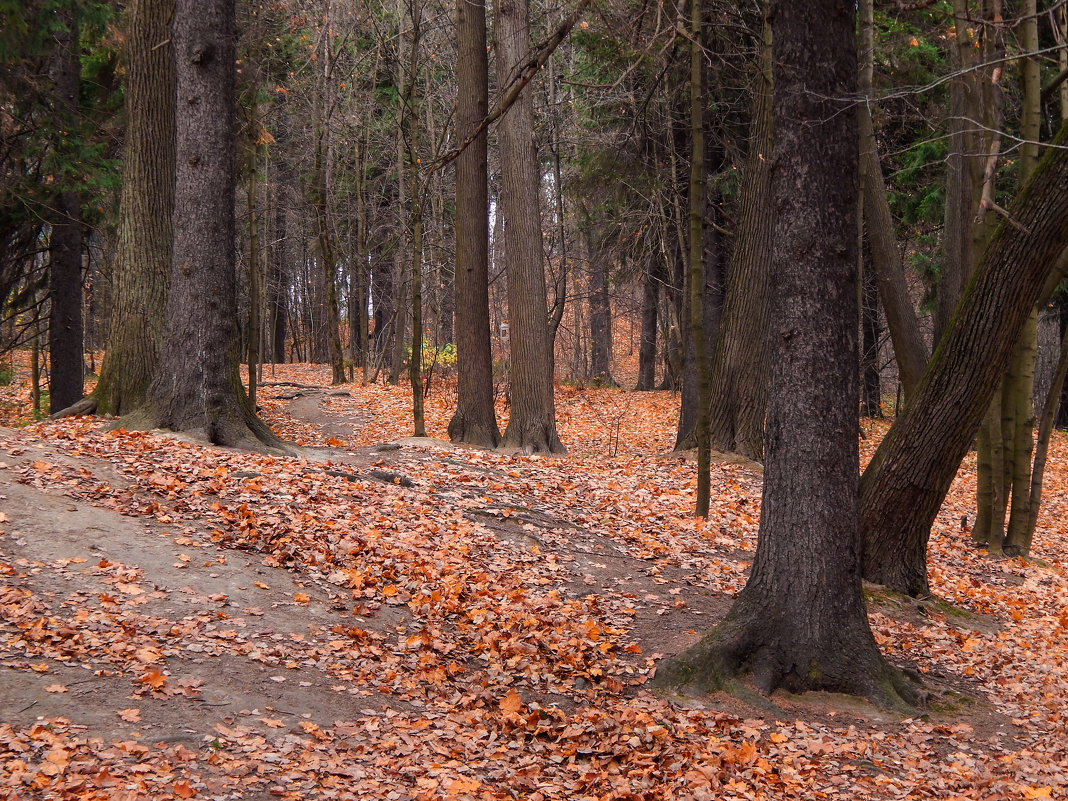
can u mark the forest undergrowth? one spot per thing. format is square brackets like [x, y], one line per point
[393, 619]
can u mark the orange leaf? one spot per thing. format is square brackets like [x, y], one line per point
[301, 597]
[458, 786]
[132, 715]
[1038, 792]
[56, 688]
[183, 790]
[511, 703]
[154, 679]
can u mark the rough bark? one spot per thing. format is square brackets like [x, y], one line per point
[197, 387]
[474, 421]
[741, 359]
[532, 424]
[910, 474]
[800, 622]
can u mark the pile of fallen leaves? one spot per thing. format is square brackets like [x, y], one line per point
[489, 621]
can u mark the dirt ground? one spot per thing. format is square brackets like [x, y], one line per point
[244, 638]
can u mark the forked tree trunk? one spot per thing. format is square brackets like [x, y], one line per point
[197, 387]
[474, 421]
[532, 424]
[800, 622]
[910, 474]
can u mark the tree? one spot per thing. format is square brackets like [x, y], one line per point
[474, 421]
[65, 330]
[909, 348]
[800, 622]
[903, 486]
[143, 255]
[741, 359]
[532, 424]
[197, 387]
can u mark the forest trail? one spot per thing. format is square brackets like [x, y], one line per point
[180, 621]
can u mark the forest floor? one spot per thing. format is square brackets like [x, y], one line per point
[389, 618]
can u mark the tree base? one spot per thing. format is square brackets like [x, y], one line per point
[232, 430]
[776, 659]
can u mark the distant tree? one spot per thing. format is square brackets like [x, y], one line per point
[800, 622]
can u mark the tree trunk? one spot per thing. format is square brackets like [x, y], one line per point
[600, 317]
[800, 622]
[474, 421]
[961, 174]
[65, 332]
[651, 281]
[197, 387]
[699, 271]
[910, 474]
[909, 348]
[741, 360]
[1021, 387]
[532, 424]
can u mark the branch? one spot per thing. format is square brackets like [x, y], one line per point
[515, 86]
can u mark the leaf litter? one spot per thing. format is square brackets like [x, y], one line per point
[302, 628]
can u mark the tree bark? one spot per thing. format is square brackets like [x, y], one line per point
[532, 424]
[910, 474]
[197, 387]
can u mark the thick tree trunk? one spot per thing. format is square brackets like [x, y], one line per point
[474, 421]
[741, 360]
[800, 622]
[65, 333]
[910, 474]
[532, 424]
[197, 387]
